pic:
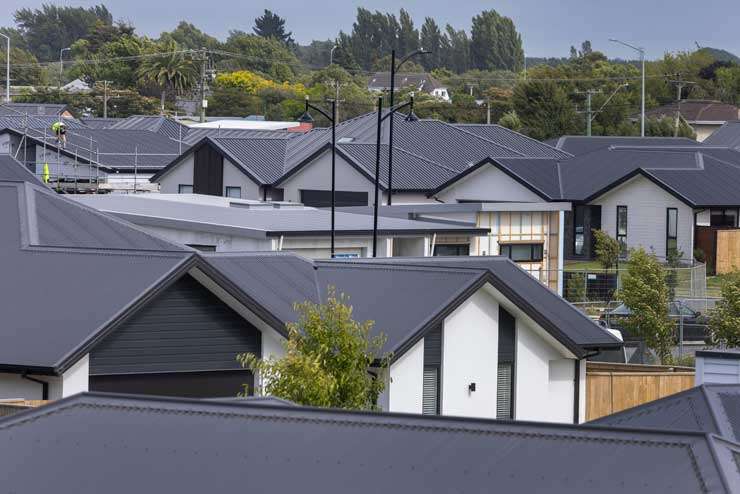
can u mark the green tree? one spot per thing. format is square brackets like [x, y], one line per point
[606, 248]
[188, 36]
[271, 25]
[545, 109]
[673, 261]
[431, 41]
[330, 359]
[455, 50]
[495, 43]
[511, 120]
[724, 319]
[728, 84]
[408, 35]
[268, 56]
[645, 292]
[24, 68]
[51, 28]
[172, 71]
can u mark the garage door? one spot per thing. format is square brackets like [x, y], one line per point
[213, 384]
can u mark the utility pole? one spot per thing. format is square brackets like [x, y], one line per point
[588, 112]
[470, 88]
[7, 68]
[105, 99]
[488, 111]
[203, 102]
[680, 84]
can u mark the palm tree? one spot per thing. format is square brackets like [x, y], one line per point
[173, 70]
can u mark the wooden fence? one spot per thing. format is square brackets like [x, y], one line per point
[728, 251]
[612, 388]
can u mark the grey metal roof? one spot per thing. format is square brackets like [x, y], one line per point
[697, 111]
[257, 222]
[35, 109]
[149, 444]
[577, 145]
[12, 170]
[514, 140]
[727, 135]
[123, 149]
[153, 123]
[707, 408]
[37, 124]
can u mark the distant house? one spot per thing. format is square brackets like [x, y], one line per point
[77, 86]
[421, 82]
[34, 110]
[704, 116]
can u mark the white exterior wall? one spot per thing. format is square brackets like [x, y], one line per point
[488, 184]
[76, 379]
[233, 177]
[544, 379]
[317, 176]
[223, 243]
[703, 218]
[14, 386]
[181, 174]
[710, 370]
[469, 355]
[407, 381]
[646, 216]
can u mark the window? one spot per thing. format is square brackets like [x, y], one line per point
[506, 365]
[671, 231]
[432, 369]
[522, 252]
[346, 255]
[622, 229]
[184, 189]
[723, 217]
[342, 198]
[452, 249]
[234, 192]
[579, 230]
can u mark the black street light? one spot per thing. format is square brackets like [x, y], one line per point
[307, 118]
[411, 117]
[395, 67]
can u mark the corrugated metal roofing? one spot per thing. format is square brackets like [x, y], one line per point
[33, 109]
[577, 145]
[514, 140]
[727, 135]
[136, 444]
[710, 408]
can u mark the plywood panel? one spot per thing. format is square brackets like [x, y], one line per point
[728, 251]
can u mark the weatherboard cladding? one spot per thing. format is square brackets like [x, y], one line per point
[276, 448]
[183, 329]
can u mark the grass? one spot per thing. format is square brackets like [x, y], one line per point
[590, 265]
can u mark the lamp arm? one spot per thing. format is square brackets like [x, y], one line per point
[396, 108]
[329, 117]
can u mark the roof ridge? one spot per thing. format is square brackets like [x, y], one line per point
[484, 139]
[402, 150]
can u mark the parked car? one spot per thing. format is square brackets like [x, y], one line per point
[694, 322]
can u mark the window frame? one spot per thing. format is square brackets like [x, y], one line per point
[622, 237]
[180, 187]
[668, 238]
[532, 245]
[232, 187]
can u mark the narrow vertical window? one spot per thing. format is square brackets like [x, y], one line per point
[579, 230]
[671, 231]
[622, 229]
[506, 365]
[431, 396]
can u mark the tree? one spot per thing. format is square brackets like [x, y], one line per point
[455, 50]
[190, 37]
[24, 68]
[495, 43]
[724, 319]
[51, 28]
[673, 261]
[606, 248]
[173, 71]
[330, 359]
[431, 41]
[511, 120]
[645, 292]
[265, 55]
[270, 25]
[408, 35]
[545, 109]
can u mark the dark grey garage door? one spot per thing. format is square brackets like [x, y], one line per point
[185, 384]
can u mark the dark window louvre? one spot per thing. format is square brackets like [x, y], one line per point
[504, 383]
[432, 370]
[452, 249]
[506, 365]
[431, 391]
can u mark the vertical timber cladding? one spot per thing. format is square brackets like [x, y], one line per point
[524, 227]
[184, 329]
[208, 172]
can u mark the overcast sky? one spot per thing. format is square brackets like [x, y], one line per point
[548, 27]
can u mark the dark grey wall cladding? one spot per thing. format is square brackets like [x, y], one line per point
[184, 329]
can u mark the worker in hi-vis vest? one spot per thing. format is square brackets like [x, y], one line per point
[45, 176]
[60, 131]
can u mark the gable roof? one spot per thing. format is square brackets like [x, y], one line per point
[697, 111]
[710, 408]
[137, 443]
[727, 135]
[33, 109]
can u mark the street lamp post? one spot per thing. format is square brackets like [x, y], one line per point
[331, 54]
[409, 118]
[61, 65]
[307, 118]
[7, 68]
[641, 51]
[395, 67]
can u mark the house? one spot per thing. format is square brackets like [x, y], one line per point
[223, 224]
[703, 116]
[473, 336]
[718, 366]
[77, 86]
[433, 164]
[35, 110]
[420, 82]
[136, 443]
